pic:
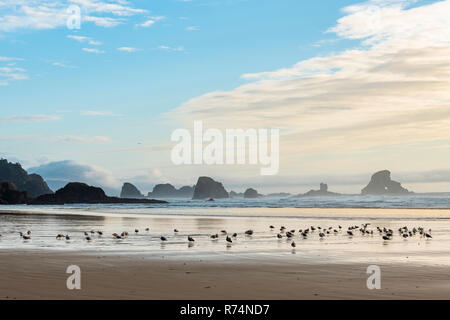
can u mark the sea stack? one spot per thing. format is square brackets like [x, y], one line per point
[169, 191]
[381, 184]
[10, 195]
[207, 188]
[33, 184]
[323, 191]
[251, 193]
[130, 191]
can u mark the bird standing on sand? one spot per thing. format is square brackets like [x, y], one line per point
[293, 245]
[350, 233]
[163, 238]
[136, 230]
[214, 236]
[147, 229]
[175, 230]
[190, 239]
[88, 238]
[279, 236]
[67, 237]
[229, 240]
[249, 232]
[234, 235]
[272, 227]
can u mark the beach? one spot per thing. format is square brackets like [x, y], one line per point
[260, 266]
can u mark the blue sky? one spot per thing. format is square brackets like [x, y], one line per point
[109, 95]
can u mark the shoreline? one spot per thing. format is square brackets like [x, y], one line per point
[42, 275]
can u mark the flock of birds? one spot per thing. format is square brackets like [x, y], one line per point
[386, 234]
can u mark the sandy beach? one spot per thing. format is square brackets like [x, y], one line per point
[26, 275]
[260, 266]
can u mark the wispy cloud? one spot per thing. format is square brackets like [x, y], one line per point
[62, 65]
[149, 22]
[169, 48]
[51, 14]
[93, 50]
[12, 73]
[193, 28]
[94, 113]
[127, 49]
[84, 39]
[392, 89]
[29, 118]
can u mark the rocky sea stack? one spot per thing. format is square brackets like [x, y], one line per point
[207, 188]
[33, 184]
[169, 191]
[130, 191]
[251, 193]
[10, 195]
[75, 193]
[381, 184]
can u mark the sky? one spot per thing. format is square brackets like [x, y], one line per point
[354, 87]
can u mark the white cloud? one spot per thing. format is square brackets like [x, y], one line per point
[11, 73]
[392, 89]
[29, 118]
[62, 65]
[84, 39]
[99, 113]
[168, 48]
[93, 50]
[58, 174]
[51, 14]
[150, 22]
[127, 49]
[192, 28]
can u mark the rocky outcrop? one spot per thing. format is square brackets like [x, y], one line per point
[278, 195]
[251, 193]
[130, 191]
[381, 184]
[75, 192]
[207, 188]
[33, 184]
[234, 194]
[10, 195]
[323, 191]
[169, 191]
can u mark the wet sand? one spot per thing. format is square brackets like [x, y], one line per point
[42, 275]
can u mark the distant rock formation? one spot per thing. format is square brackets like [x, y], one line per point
[381, 184]
[279, 195]
[323, 191]
[76, 192]
[130, 191]
[234, 194]
[33, 184]
[169, 191]
[207, 188]
[251, 193]
[10, 195]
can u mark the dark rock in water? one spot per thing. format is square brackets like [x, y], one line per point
[207, 188]
[10, 195]
[79, 193]
[234, 194]
[381, 184]
[169, 191]
[33, 184]
[130, 191]
[323, 191]
[251, 193]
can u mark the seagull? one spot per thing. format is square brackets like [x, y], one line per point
[163, 238]
[387, 238]
[67, 237]
[272, 227]
[279, 236]
[175, 230]
[190, 239]
[136, 230]
[26, 237]
[224, 231]
[60, 236]
[293, 244]
[147, 229]
[350, 233]
[428, 235]
[88, 238]
[234, 235]
[229, 240]
[321, 234]
[249, 232]
[29, 232]
[100, 233]
[214, 236]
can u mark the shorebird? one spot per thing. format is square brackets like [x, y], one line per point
[313, 229]
[190, 239]
[223, 232]
[214, 236]
[147, 229]
[29, 232]
[163, 238]
[60, 236]
[229, 240]
[427, 235]
[249, 232]
[175, 230]
[234, 235]
[405, 235]
[136, 230]
[26, 237]
[321, 234]
[100, 233]
[67, 237]
[272, 227]
[88, 238]
[350, 233]
[289, 235]
[279, 236]
[293, 245]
